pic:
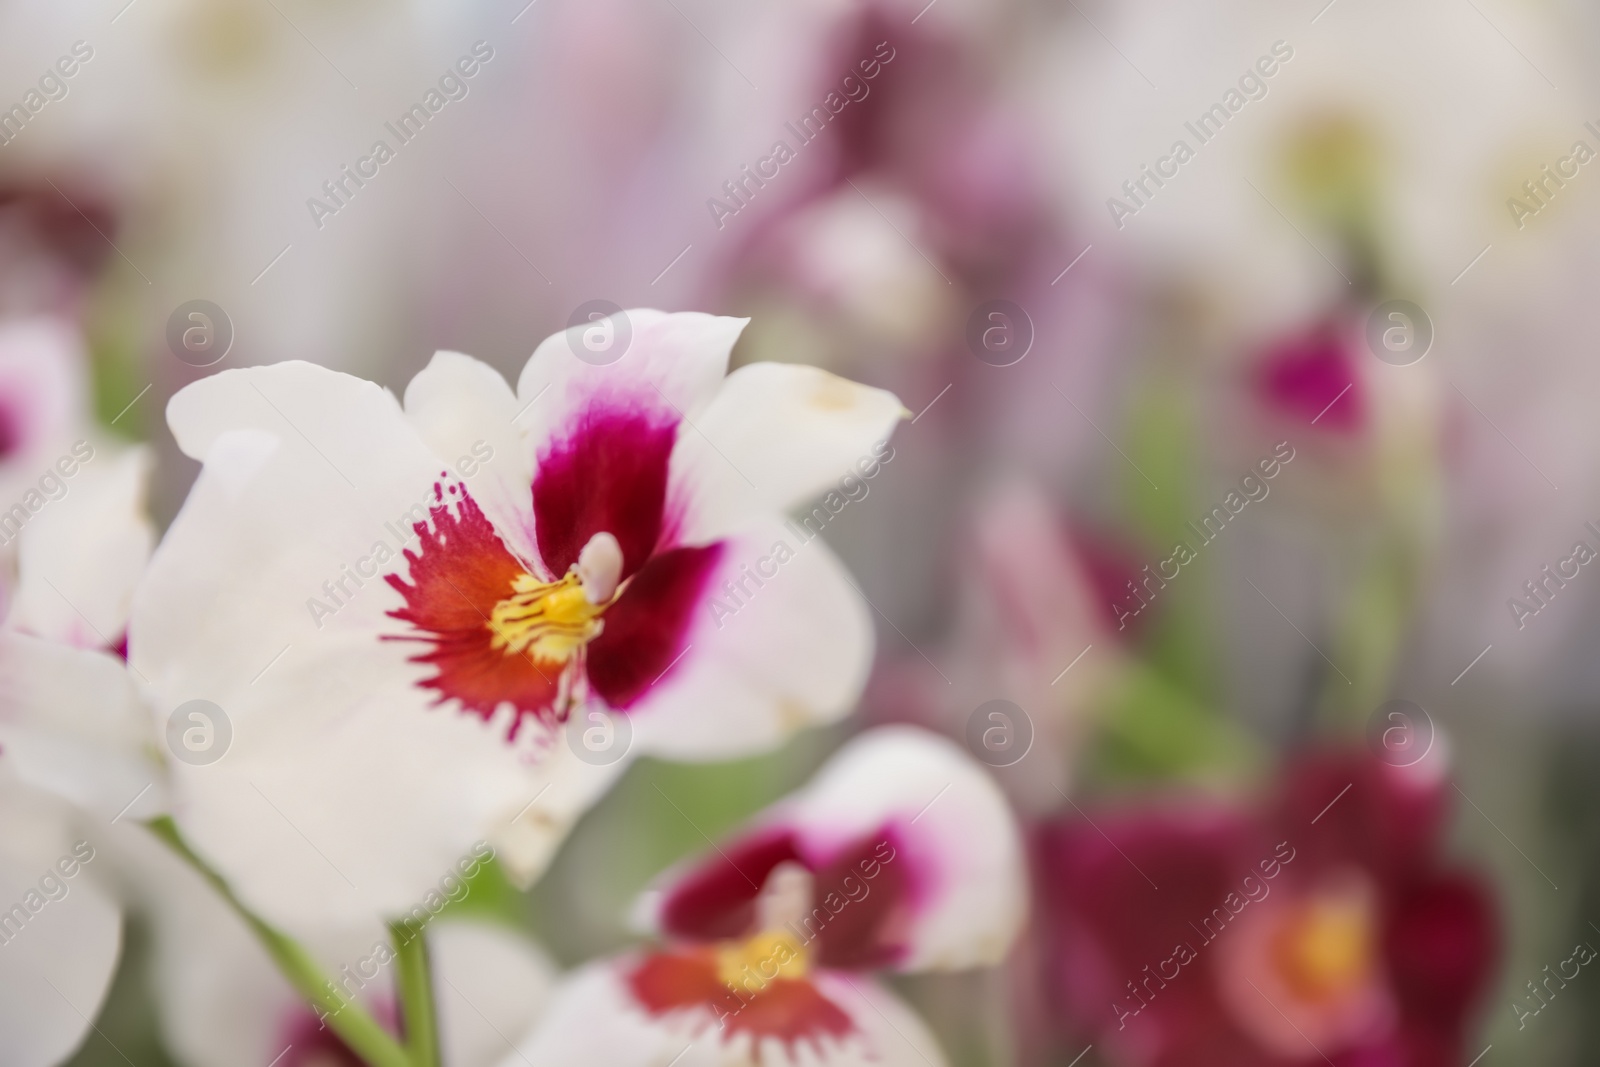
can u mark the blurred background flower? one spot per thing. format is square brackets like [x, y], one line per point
[1319, 923]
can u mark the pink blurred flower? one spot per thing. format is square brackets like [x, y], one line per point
[1313, 378]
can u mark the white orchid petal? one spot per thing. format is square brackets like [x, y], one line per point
[352, 427]
[80, 557]
[490, 984]
[776, 436]
[220, 999]
[72, 724]
[526, 840]
[674, 361]
[468, 416]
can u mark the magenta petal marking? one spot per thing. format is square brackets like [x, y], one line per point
[646, 629]
[607, 472]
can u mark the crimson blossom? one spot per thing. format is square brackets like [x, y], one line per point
[1322, 926]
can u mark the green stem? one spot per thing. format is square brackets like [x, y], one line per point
[355, 1027]
[416, 994]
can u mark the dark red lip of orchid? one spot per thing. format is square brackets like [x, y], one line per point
[717, 900]
[607, 474]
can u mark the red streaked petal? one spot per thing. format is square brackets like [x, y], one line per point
[606, 472]
[459, 573]
[646, 628]
[788, 1009]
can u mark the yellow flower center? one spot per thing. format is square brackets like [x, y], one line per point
[1327, 950]
[550, 621]
[748, 966]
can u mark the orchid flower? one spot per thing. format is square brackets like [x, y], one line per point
[72, 721]
[1326, 925]
[75, 745]
[901, 855]
[398, 607]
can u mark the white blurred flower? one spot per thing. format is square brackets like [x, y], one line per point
[72, 720]
[76, 750]
[1438, 177]
[60, 930]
